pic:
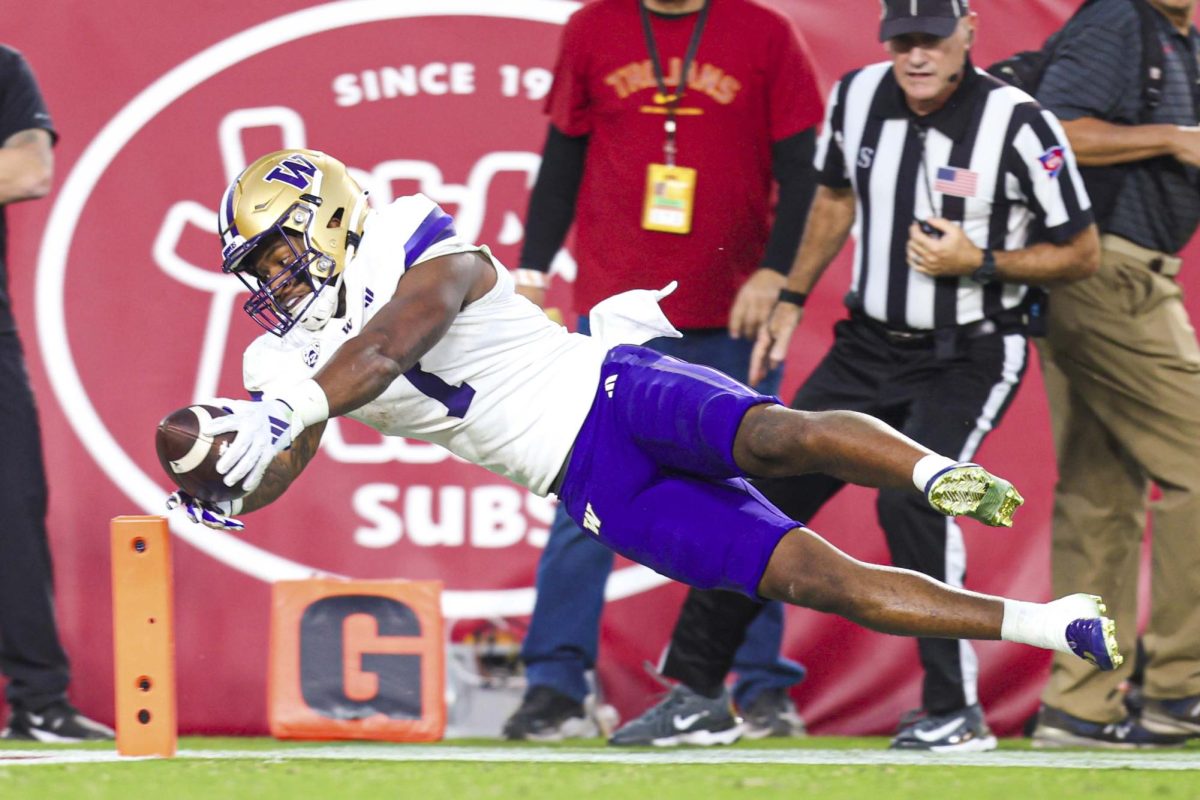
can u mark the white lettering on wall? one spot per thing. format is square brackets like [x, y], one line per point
[428, 527]
[500, 516]
[370, 502]
[540, 509]
[533, 83]
[408, 80]
[496, 518]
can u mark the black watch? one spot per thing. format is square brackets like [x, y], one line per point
[986, 273]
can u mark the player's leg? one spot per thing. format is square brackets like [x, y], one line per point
[773, 441]
[808, 571]
[696, 420]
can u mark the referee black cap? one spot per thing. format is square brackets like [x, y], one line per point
[935, 17]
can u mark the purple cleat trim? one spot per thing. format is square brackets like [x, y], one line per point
[1094, 639]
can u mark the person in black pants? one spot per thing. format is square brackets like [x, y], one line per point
[961, 192]
[31, 656]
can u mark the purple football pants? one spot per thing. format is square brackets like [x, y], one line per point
[652, 474]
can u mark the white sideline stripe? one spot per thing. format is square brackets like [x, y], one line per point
[402, 753]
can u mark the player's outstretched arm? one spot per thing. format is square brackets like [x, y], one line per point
[284, 469]
[279, 475]
[426, 301]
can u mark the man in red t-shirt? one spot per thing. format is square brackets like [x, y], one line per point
[668, 179]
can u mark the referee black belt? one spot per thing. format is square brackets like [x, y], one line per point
[1011, 321]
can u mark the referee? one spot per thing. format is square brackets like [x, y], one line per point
[965, 191]
[961, 191]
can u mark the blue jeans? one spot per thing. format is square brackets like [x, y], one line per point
[564, 632]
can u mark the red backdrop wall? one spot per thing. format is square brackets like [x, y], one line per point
[125, 316]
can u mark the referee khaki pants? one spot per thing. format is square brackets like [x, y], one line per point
[1122, 371]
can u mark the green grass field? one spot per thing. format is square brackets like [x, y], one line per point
[818, 767]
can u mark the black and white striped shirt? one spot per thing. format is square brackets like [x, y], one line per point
[991, 160]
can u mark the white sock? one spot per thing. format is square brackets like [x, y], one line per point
[929, 466]
[1045, 624]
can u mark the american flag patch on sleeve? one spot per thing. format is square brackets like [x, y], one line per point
[956, 181]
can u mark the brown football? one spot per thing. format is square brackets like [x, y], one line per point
[189, 457]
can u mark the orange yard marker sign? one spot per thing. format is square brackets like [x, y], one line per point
[143, 637]
[357, 660]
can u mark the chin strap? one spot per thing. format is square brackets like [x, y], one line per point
[323, 307]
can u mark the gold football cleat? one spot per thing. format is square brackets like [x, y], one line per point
[971, 491]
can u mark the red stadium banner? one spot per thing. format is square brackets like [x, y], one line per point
[125, 315]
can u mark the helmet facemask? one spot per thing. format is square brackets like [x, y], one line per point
[266, 304]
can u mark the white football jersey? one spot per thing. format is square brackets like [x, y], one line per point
[505, 388]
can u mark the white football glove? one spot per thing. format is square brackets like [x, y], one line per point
[264, 429]
[218, 516]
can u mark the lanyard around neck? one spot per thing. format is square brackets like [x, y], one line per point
[672, 99]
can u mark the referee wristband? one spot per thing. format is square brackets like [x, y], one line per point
[795, 298]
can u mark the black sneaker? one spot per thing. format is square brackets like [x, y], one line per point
[58, 722]
[1180, 716]
[682, 717]
[548, 715]
[1057, 728]
[772, 713]
[962, 731]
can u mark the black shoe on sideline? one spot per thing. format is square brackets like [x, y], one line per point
[1057, 728]
[961, 731]
[1181, 716]
[548, 715]
[772, 713]
[58, 722]
[682, 717]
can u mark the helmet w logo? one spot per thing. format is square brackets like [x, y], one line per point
[295, 171]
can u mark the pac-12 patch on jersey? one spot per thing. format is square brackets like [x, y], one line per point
[1053, 160]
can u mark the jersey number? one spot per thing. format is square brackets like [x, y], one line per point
[456, 399]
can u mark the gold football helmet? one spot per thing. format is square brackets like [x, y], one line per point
[311, 196]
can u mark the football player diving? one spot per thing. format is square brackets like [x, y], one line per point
[386, 316]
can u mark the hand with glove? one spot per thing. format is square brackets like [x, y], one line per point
[264, 429]
[218, 516]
